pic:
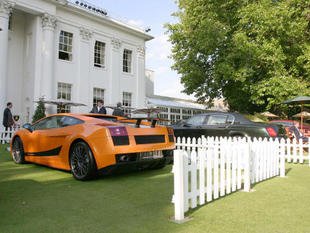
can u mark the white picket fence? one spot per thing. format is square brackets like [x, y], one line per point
[209, 168]
[296, 151]
[6, 135]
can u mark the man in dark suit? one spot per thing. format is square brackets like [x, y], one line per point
[99, 108]
[118, 111]
[8, 121]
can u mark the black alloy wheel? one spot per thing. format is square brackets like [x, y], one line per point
[82, 162]
[18, 151]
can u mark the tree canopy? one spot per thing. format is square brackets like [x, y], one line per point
[254, 53]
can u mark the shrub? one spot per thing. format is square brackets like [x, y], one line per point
[40, 111]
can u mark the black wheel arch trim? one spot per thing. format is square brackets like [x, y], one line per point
[237, 133]
[81, 140]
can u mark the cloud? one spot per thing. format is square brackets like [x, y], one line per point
[137, 23]
[175, 91]
[166, 82]
[162, 70]
[159, 49]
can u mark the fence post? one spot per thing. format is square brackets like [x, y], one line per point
[209, 157]
[294, 150]
[300, 151]
[282, 158]
[246, 174]
[178, 157]
[309, 151]
[201, 154]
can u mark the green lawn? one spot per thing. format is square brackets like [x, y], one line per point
[39, 199]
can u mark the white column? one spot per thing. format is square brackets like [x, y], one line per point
[48, 43]
[141, 76]
[85, 62]
[47, 78]
[115, 74]
[6, 8]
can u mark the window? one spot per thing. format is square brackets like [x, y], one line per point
[99, 54]
[187, 111]
[175, 110]
[164, 117]
[127, 102]
[64, 92]
[10, 22]
[47, 123]
[68, 121]
[55, 122]
[217, 119]
[98, 94]
[196, 120]
[127, 58]
[174, 118]
[163, 109]
[65, 46]
[185, 117]
[197, 112]
[230, 119]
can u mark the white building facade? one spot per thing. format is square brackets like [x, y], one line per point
[59, 49]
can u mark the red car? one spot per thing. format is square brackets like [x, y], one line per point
[305, 127]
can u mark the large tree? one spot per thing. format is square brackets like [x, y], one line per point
[254, 53]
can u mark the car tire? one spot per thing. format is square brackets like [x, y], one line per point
[82, 162]
[18, 153]
[168, 154]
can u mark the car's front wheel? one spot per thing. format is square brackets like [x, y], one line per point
[18, 153]
[82, 162]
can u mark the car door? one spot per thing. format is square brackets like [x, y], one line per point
[193, 127]
[46, 141]
[217, 125]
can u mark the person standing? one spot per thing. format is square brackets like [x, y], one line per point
[99, 108]
[118, 111]
[8, 123]
[8, 120]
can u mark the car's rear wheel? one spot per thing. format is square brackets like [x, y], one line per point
[168, 154]
[18, 153]
[82, 162]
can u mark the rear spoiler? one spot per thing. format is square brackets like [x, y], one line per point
[140, 119]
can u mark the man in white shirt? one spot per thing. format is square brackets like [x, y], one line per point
[99, 108]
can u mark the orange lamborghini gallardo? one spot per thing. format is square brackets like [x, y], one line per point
[89, 144]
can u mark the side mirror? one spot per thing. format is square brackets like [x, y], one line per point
[28, 127]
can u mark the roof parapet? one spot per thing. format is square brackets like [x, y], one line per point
[101, 12]
[90, 7]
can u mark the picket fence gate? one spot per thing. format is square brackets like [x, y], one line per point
[208, 168]
[6, 135]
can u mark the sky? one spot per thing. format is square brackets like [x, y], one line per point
[152, 14]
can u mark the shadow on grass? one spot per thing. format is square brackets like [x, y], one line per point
[193, 210]
[119, 203]
[287, 170]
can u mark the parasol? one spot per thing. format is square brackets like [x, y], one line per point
[147, 110]
[114, 107]
[269, 115]
[301, 100]
[61, 103]
[302, 114]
